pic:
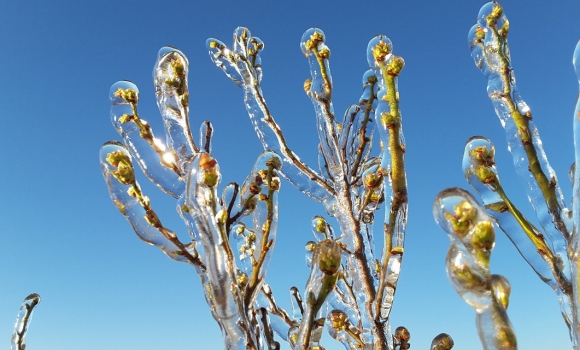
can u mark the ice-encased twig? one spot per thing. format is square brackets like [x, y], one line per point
[319, 89]
[575, 239]
[355, 185]
[127, 196]
[472, 237]
[242, 66]
[189, 173]
[324, 274]
[387, 68]
[489, 48]
[480, 171]
[23, 321]
[171, 90]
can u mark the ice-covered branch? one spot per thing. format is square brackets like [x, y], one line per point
[23, 321]
[551, 250]
[242, 65]
[472, 237]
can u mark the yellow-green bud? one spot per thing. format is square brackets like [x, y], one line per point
[461, 218]
[307, 85]
[381, 51]
[312, 43]
[338, 320]
[483, 235]
[128, 95]
[329, 256]
[320, 225]
[485, 174]
[395, 66]
[373, 180]
[324, 53]
[124, 173]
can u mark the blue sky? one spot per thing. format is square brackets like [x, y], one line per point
[102, 288]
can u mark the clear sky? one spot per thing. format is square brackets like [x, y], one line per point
[102, 288]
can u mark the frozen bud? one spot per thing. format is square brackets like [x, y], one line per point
[395, 66]
[129, 95]
[389, 121]
[373, 180]
[479, 32]
[402, 334]
[483, 235]
[329, 256]
[256, 185]
[503, 31]
[275, 183]
[178, 67]
[338, 320]
[485, 174]
[461, 219]
[310, 246]
[381, 50]
[274, 162]
[307, 85]
[442, 342]
[500, 290]
[312, 43]
[320, 225]
[124, 173]
[495, 14]
[324, 53]
[221, 216]
[209, 169]
[483, 154]
[242, 279]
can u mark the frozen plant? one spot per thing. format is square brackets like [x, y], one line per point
[552, 249]
[23, 321]
[232, 237]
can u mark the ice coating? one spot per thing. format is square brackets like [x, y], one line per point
[481, 173]
[119, 174]
[23, 321]
[171, 90]
[155, 159]
[232, 236]
[351, 183]
[575, 239]
[242, 71]
[472, 237]
[442, 342]
[320, 92]
[488, 42]
[550, 249]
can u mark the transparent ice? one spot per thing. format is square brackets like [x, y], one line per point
[550, 247]
[350, 182]
[351, 287]
[23, 321]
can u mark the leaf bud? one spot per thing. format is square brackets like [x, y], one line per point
[329, 256]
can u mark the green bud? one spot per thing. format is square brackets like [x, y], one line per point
[483, 235]
[329, 256]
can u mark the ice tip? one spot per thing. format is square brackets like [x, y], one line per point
[123, 92]
[576, 59]
[311, 39]
[34, 298]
